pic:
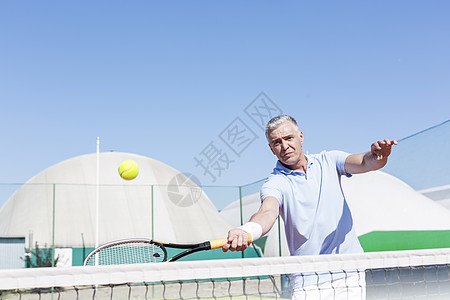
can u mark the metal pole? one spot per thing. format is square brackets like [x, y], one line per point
[97, 199]
[241, 211]
[153, 217]
[53, 229]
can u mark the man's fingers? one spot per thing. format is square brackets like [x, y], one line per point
[377, 145]
[226, 247]
[376, 149]
[240, 246]
[388, 142]
[236, 242]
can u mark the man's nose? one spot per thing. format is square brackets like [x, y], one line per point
[284, 145]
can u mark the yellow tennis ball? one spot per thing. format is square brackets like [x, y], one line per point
[128, 169]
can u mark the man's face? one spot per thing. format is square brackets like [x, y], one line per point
[286, 143]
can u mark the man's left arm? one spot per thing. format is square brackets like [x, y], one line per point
[373, 160]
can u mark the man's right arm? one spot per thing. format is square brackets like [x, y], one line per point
[373, 160]
[262, 220]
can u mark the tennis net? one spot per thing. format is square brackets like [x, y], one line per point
[418, 274]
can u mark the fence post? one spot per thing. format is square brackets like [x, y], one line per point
[53, 225]
[153, 215]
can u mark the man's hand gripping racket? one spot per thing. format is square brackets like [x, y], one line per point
[238, 240]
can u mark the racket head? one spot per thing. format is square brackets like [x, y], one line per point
[128, 251]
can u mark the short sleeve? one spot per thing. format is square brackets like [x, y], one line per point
[273, 187]
[339, 157]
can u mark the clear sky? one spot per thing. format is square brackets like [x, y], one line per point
[172, 80]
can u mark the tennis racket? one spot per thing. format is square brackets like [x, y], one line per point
[139, 251]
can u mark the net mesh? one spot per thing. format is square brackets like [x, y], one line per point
[419, 274]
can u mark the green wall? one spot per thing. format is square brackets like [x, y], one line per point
[404, 240]
[78, 255]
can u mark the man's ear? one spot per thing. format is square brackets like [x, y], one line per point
[300, 134]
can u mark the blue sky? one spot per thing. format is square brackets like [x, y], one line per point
[164, 79]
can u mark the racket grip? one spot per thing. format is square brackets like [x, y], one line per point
[220, 243]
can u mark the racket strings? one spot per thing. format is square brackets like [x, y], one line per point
[130, 253]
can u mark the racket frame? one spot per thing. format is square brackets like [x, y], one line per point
[91, 255]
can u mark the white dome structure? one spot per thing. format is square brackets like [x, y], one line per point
[379, 202]
[60, 204]
[382, 202]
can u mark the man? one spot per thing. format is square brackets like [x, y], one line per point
[306, 190]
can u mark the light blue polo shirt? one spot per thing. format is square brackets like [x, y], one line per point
[316, 215]
[313, 206]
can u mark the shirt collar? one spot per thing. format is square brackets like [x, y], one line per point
[279, 168]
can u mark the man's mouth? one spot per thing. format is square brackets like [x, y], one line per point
[288, 154]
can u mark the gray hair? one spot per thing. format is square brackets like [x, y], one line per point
[277, 121]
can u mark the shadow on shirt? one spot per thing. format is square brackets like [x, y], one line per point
[335, 239]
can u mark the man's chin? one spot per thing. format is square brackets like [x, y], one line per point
[287, 162]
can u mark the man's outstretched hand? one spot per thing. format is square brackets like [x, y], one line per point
[382, 149]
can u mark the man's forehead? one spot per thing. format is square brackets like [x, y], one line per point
[284, 129]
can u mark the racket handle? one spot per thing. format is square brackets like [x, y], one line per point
[220, 243]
